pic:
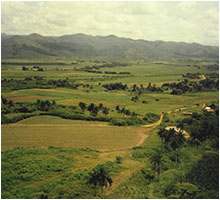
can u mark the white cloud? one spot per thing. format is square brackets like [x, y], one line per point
[169, 21]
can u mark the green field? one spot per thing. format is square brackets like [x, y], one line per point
[46, 131]
[47, 154]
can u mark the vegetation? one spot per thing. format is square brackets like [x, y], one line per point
[113, 107]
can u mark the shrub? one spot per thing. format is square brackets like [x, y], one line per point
[151, 117]
[118, 159]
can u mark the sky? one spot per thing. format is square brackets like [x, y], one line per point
[168, 21]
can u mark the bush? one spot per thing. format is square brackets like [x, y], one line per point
[151, 117]
[166, 118]
[118, 159]
[209, 168]
[127, 122]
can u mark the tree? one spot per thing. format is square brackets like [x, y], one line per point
[183, 190]
[24, 68]
[99, 176]
[134, 88]
[117, 108]
[180, 126]
[205, 128]
[164, 134]
[105, 111]
[10, 103]
[157, 161]
[176, 142]
[82, 106]
[127, 112]
[91, 107]
[173, 138]
[149, 85]
[100, 106]
[53, 103]
[4, 100]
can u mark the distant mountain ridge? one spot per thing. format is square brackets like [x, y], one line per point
[82, 45]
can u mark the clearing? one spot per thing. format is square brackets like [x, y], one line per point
[45, 131]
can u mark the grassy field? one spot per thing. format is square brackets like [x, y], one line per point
[45, 131]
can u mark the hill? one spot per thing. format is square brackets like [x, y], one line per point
[112, 47]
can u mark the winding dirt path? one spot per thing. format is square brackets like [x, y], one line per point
[150, 127]
[143, 138]
[154, 124]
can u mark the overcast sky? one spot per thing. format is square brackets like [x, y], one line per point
[168, 21]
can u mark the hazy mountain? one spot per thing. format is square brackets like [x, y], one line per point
[81, 45]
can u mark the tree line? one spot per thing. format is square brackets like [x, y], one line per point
[191, 86]
[46, 107]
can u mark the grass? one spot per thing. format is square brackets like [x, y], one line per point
[45, 131]
[34, 172]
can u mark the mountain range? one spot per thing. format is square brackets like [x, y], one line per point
[81, 45]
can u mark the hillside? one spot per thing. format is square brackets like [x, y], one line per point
[113, 47]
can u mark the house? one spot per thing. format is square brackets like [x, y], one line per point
[209, 109]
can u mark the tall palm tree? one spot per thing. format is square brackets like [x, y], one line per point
[157, 160]
[176, 142]
[99, 176]
[173, 138]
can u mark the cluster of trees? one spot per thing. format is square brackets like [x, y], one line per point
[115, 86]
[192, 75]
[198, 75]
[94, 109]
[125, 111]
[23, 110]
[172, 138]
[135, 98]
[203, 128]
[34, 67]
[201, 179]
[134, 88]
[93, 71]
[110, 72]
[106, 72]
[28, 78]
[213, 75]
[40, 82]
[213, 67]
[25, 68]
[148, 88]
[153, 88]
[47, 107]
[9, 106]
[105, 65]
[63, 83]
[186, 86]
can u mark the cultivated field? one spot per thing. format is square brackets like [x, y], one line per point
[46, 131]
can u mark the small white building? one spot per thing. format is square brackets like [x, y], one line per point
[209, 109]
